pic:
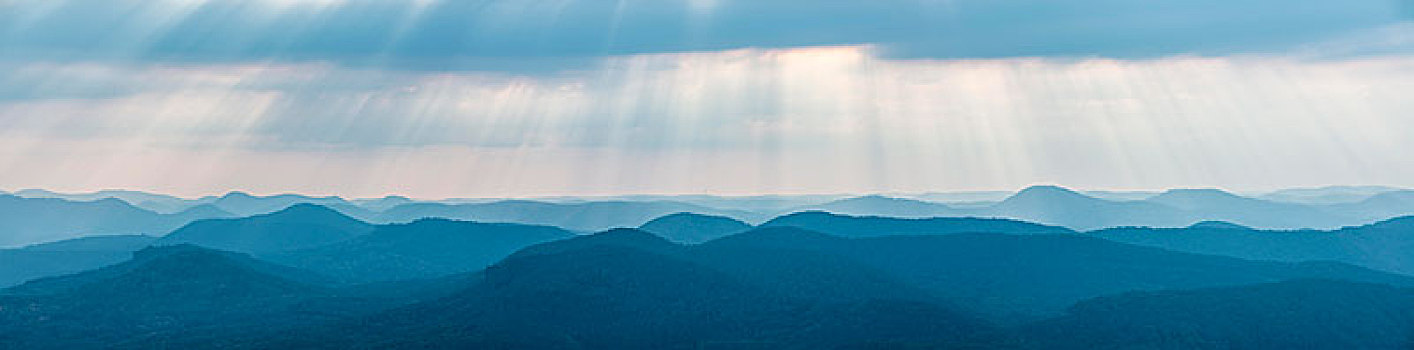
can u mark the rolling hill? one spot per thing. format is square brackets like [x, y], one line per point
[628, 289]
[1301, 314]
[422, 249]
[1384, 245]
[296, 227]
[18, 265]
[581, 216]
[694, 228]
[26, 221]
[1016, 278]
[159, 292]
[874, 226]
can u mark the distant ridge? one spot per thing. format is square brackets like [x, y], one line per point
[1059, 206]
[1047, 192]
[31, 220]
[1218, 205]
[1218, 225]
[1378, 207]
[206, 211]
[1190, 199]
[1046, 204]
[1382, 245]
[298, 226]
[877, 205]
[160, 292]
[184, 262]
[245, 204]
[1327, 195]
[69, 256]
[619, 237]
[426, 248]
[694, 228]
[582, 216]
[159, 203]
[96, 243]
[874, 226]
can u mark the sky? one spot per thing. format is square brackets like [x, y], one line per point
[505, 98]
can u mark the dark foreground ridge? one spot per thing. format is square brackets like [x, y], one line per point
[926, 284]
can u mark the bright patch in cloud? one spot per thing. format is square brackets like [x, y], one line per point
[824, 119]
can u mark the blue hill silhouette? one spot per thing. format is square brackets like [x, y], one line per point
[18, 265]
[295, 227]
[694, 228]
[1383, 245]
[874, 226]
[422, 249]
[27, 221]
[586, 216]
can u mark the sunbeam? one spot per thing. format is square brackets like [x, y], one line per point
[706, 174]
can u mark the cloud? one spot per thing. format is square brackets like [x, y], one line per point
[820, 119]
[550, 35]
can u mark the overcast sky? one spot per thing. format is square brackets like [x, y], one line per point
[573, 97]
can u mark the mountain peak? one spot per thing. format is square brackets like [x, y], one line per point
[694, 228]
[170, 251]
[687, 218]
[237, 194]
[204, 211]
[1403, 222]
[1195, 193]
[297, 226]
[877, 226]
[306, 211]
[1199, 191]
[1400, 196]
[619, 237]
[1218, 225]
[879, 198]
[808, 214]
[1047, 192]
[879, 205]
[1048, 189]
[170, 269]
[95, 243]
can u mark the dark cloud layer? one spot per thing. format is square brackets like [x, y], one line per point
[504, 34]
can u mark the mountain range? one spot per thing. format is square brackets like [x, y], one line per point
[169, 292]
[769, 287]
[1043, 273]
[585, 217]
[426, 248]
[693, 228]
[18, 265]
[1384, 245]
[296, 227]
[28, 216]
[1297, 314]
[25, 221]
[1174, 208]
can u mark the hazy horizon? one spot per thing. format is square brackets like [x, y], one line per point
[1379, 188]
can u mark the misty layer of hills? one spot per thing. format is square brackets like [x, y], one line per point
[37, 216]
[1173, 208]
[651, 272]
